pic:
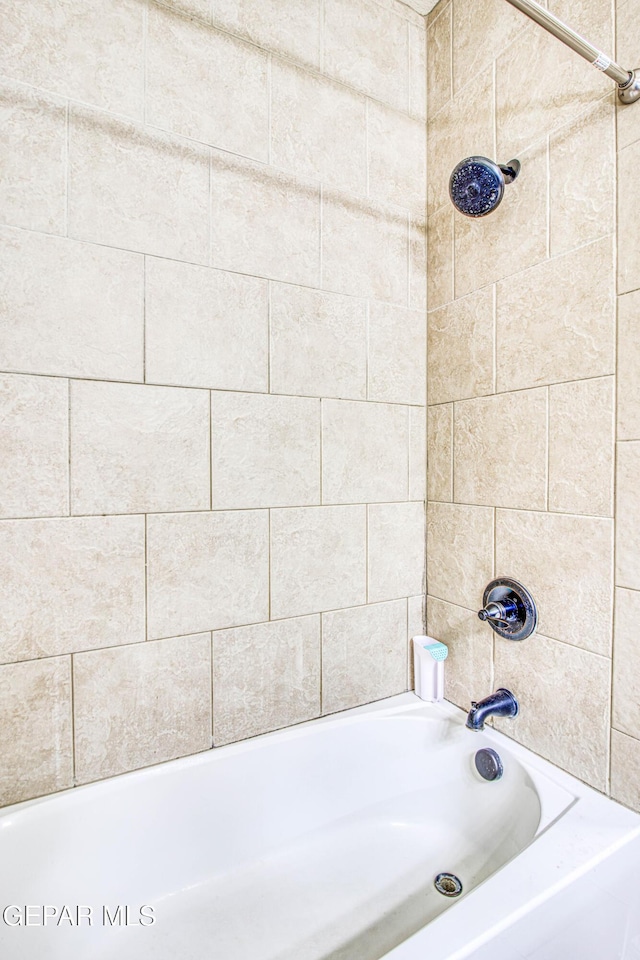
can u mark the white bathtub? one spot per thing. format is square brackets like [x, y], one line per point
[323, 841]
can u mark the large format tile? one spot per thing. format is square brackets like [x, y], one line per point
[33, 190]
[570, 730]
[296, 35]
[625, 769]
[141, 704]
[628, 219]
[581, 447]
[70, 309]
[264, 222]
[440, 452]
[376, 264]
[626, 662]
[566, 563]
[89, 52]
[206, 571]
[36, 753]
[396, 175]
[318, 128]
[396, 542]
[364, 654]
[365, 451]
[205, 328]
[397, 354]
[468, 670]
[417, 453]
[481, 30]
[318, 559]
[460, 348]
[34, 439]
[136, 187]
[70, 584]
[318, 343]
[628, 366]
[137, 448]
[265, 450]
[557, 321]
[460, 552]
[265, 676]
[440, 257]
[418, 262]
[205, 85]
[500, 450]
[628, 516]
[366, 46]
[439, 66]
[418, 70]
[627, 46]
[582, 179]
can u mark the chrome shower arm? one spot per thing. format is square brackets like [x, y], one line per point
[628, 80]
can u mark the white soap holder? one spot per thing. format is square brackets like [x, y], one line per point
[428, 662]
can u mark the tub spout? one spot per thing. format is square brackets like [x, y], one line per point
[502, 703]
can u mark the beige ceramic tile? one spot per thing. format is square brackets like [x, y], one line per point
[462, 128]
[34, 439]
[365, 451]
[70, 584]
[556, 557]
[417, 453]
[364, 654]
[626, 662]
[440, 257]
[628, 219]
[138, 188]
[205, 328]
[137, 448]
[418, 71]
[318, 128]
[265, 676]
[141, 704]
[206, 571]
[318, 343]
[591, 18]
[513, 238]
[460, 552]
[36, 754]
[500, 450]
[571, 731]
[205, 85]
[33, 134]
[581, 447]
[296, 35]
[628, 514]
[70, 309]
[557, 321]
[397, 174]
[440, 452]
[396, 550]
[265, 451]
[81, 50]
[374, 266]
[264, 222]
[416, 627]
[628, 55]
[439, 55]
[480, 31]
[418, 263]
[559, 87]
[397, 354]
[628, 366]
[625, 769]
[367, 47]
[468, 670]
[582, 179]
[460, 348]
[318, 559]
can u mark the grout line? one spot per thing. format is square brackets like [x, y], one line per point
[547, 460]
[210, 440]
[69, 448]
[144, 319]
[540, 511]
[146, 580]
[366, 550]
[536, 386]
[72, 698]
[548, 196]
[67, 172]
[211, 680]
[269, 617]
[269, 110]
[145, 42]
[495, 338]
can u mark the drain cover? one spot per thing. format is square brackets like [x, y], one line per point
[448, 885]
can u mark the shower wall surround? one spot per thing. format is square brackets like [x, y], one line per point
[523, 378]
[212, 387]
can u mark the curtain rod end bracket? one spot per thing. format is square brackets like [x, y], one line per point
[629, 92]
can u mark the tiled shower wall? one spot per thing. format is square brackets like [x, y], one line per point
[523, 378]
[212, 387]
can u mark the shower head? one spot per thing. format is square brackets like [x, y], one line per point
[476, 186]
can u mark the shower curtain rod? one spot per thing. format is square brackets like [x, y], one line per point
[628, 80]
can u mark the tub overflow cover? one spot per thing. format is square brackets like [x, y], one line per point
[448, 884]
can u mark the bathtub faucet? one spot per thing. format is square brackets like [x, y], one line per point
[502, 703]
